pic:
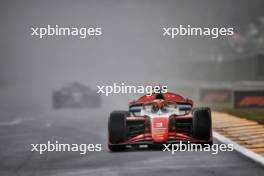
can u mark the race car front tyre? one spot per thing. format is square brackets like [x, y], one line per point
[202, 124]
[117, 130]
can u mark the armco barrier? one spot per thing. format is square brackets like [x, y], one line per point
[208, 95]
[248, 99]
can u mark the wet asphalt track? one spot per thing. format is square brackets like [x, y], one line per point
[89, 126]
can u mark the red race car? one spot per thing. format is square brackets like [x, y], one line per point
[157, 119]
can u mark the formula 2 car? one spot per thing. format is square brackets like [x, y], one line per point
[75, 95]
[158, 119]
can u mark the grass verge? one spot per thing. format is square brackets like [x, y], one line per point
[251, 114]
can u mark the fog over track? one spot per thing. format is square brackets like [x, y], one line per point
[130, 50]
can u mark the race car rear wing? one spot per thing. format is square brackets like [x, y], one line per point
[135, 109]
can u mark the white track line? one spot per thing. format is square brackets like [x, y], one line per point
[11, 123]
[244, 151]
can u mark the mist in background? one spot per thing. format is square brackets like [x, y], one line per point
[131, 49]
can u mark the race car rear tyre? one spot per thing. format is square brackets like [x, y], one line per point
[202, 123]
[56, 100]
[117, 130]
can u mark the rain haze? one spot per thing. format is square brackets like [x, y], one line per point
[131, 47]
[131, 50]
